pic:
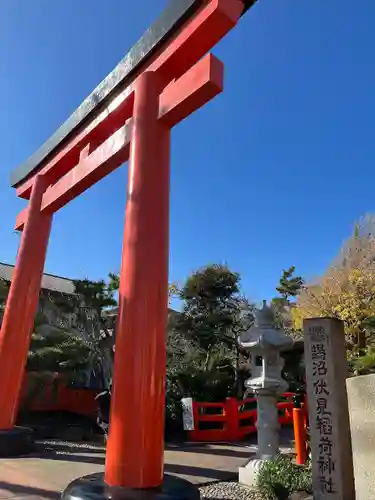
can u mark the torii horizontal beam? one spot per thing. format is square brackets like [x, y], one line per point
[183, 25]
[181, 98]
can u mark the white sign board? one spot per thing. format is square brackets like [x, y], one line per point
[187, 414]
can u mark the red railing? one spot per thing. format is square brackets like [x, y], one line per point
[233, 420]
[65, 399]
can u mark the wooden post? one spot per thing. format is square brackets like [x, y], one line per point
[232, 420]
[299, 435]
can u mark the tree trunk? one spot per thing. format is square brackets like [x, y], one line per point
[237, 388]
[207, 360]
[361, 340]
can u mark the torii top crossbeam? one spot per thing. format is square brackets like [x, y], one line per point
[143, 55]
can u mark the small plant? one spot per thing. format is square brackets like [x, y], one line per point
[364, 363]
[280, 477]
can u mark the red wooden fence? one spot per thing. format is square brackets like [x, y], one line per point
[233, 420]
[66, 399]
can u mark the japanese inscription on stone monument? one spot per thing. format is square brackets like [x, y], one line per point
[327, 405]
[323, 421]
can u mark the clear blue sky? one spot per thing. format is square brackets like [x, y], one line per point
[273, 172]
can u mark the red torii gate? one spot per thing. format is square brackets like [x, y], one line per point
[164, 78]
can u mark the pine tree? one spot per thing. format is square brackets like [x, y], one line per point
[289, 285]
[214, 313]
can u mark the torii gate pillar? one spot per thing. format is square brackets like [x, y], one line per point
[164, 78]
[140, 370]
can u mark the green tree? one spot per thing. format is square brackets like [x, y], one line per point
[91, 302]
[70, 355]
[4, 289]
[211, 303]
[92, 333]
[289, 285]
[213, 315]
[114, 285]
[59, 356]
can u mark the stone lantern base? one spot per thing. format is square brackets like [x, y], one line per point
[247, 475]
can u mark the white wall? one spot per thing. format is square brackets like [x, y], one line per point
[361, 400]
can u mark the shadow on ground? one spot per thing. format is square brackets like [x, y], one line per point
[68, 452]
[209, 450]
[79, 454]
[189, 470]
[19, 490]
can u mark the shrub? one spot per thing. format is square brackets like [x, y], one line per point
[280, 477]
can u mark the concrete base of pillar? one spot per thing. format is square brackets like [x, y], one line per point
[16, 442]
[248, 474]
[93, 487]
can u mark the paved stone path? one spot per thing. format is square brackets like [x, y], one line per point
[43, 475]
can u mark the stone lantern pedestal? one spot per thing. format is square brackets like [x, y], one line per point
[264, 343]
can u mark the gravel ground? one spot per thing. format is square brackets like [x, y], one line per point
[229, 491]
[68, 444]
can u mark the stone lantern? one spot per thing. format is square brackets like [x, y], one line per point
[265, 343]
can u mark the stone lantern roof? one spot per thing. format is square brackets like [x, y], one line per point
[263, 333]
